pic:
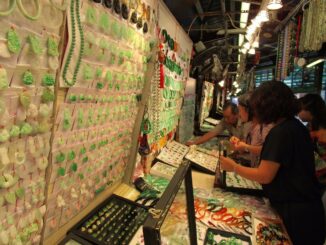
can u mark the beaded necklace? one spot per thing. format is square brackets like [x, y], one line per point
[73, 43]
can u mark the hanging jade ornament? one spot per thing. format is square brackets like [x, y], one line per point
[53, 47]
[35, 44]
[3, 79]
[25, 99]
[28, 78]
[14, 43]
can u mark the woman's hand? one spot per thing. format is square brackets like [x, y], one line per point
[190, 142]
[234, 140]
[241, 146]
[227, 164]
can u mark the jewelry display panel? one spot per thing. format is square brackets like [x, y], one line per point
[29, 61]
[202, 159]
[115, 221]
[215, 237]
[103, 67]
[269, 232]
[233, 182]
[173, 153]
[167, 88]
[163, 170]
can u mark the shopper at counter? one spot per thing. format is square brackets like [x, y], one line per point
[313, 111]
[286, 169]
[257, 134]
[230, 122]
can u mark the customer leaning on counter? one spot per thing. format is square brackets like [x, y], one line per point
[256, 136]
[286, 169]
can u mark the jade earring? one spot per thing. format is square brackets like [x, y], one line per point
[14, 42]
[25, 99]
[28, 78]
[35, 44]
[48, 80]
[66, 120]
[48, 95]
[4, 135]
[91, 16]
[53, 47]
[4, 83]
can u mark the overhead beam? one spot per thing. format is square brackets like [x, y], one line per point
[230, 62]
[232, 31]
[225, 21]
[249, 1]
[292, 13]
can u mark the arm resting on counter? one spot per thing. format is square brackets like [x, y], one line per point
[264, 174]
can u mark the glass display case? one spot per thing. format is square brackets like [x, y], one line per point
[172, 220]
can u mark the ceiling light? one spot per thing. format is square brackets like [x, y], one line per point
[274, 4]
[249, 37]
[221, 83]
[256, 42]
[315, 63]
[246, 45]
[244, 51]
[252, 51]
[263, 16]
[251, 29]
[256, 21]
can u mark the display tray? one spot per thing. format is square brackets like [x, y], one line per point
[72, 239]
[231, 181]
[163, 170]
[270, 232]
[203, 161]
[214, 236]
[115, 221]
[173, 153]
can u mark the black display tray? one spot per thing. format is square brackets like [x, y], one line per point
[246, 191]
[117, 226]
[201, 168]
[227, 235]
[74, 238]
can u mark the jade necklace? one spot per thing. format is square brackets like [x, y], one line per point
[73, 43]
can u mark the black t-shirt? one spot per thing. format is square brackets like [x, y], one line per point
[290, 145]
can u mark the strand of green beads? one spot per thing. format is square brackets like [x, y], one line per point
[82, 43]
[72, 46]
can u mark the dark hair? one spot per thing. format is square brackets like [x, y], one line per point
[244, 100]
[234, 108]
[317, 107]
[272, 101]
